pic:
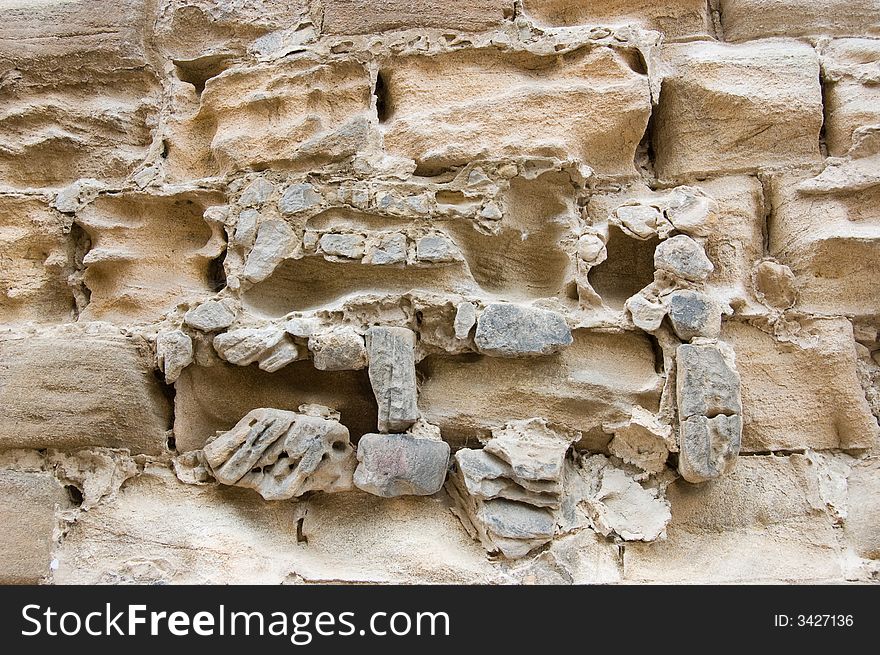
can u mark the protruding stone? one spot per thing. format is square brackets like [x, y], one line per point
[400, 465]
[643, 441]
[278, 356]
[349, 246]
[639, 221]
[256, 193]
[591, 249]
[515, 528]
[246, 228]
[210, 316]
[707, 385]
[246, 345]
[174, 352]
[390, 249]
[341, 349]
[437, 248]
[507, 330]
[465, 319]
[684, 258]
[298, 197]
[282, 454]
[273, 241]
[775, 284]
[392, 372]
[694, 314]
[301, 327]
[709, 446]
[646, 314]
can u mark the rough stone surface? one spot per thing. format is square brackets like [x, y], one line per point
[507, 330]
[614, 265]
[393, 376]
[400, 465]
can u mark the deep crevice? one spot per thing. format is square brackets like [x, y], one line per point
[217, 272]
[169, 392]
[198, 71]
[75, 495]
[383, 100]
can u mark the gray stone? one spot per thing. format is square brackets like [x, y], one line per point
[210, 316]
[174, 352]
[465, 318]
[684, 258]
[256, 193]
[246, 228]
[282, 454]
[706, 385]
[350, 246]
[694, 314]
[709, 446]
[437, 248]
[400, 465]
[507, 330]
[392, 372]
[246, 345]
[299, 197]
[341, 349]
[272, 243]
[390, 249]
[487, 476]
[511, 520]
[278, 356]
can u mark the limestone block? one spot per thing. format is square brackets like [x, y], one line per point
[676, 19]
[863, 511]
[366, 16]
[684, 258]
[449, 109]
[37, 259]
[282, 454]
[802, 390]
[148, 254]
[393, 376]
[743, 20]
[731, 108]
[707, 383]
[694, 314]
[78, 97]
[709, 446]
[81, 385]
[506, 330]
[28, 516]
[400, 465]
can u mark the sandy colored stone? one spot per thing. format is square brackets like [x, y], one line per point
[368, 16]
[743, 20]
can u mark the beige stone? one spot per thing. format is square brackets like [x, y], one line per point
[367, 16]
[731, 108]
[81, 385]
[801, 390]
[743, 20]
[446, 110]
[852, 89]
[29, 524]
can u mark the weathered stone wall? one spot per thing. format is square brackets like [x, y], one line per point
[517, 291]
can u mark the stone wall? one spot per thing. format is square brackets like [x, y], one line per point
[508, 291]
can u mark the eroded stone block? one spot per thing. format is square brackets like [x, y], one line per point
[393, 376]
[400, 465]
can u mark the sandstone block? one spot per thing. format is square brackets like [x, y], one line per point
[743, 20]
[28, 517]
[366, 17]
[730, 108]
[341, 349]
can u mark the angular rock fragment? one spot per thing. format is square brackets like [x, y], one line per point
[341, 349]
[278, 356]
[174, 352]
[247, 345]
[709, 446]
[400, 465]
[707, 385]
[694, 314]
[465, 318]
[515, 528]
[349, 246]
[392, 372]
[684, 258]
[507, 330]
[210, 316]
[282, 454]
[646, 313]
[298, 197]
[256, 193]
[643, 441]
[437, 248]
[273, 240]
[389, 249]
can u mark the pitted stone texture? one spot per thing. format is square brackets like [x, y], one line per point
[507, 330]
[392, 372]
[709, 446]
[282, 454]
[400, 465]
[341, 349]
[707, 385]
[694, 314]
[684, 258]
